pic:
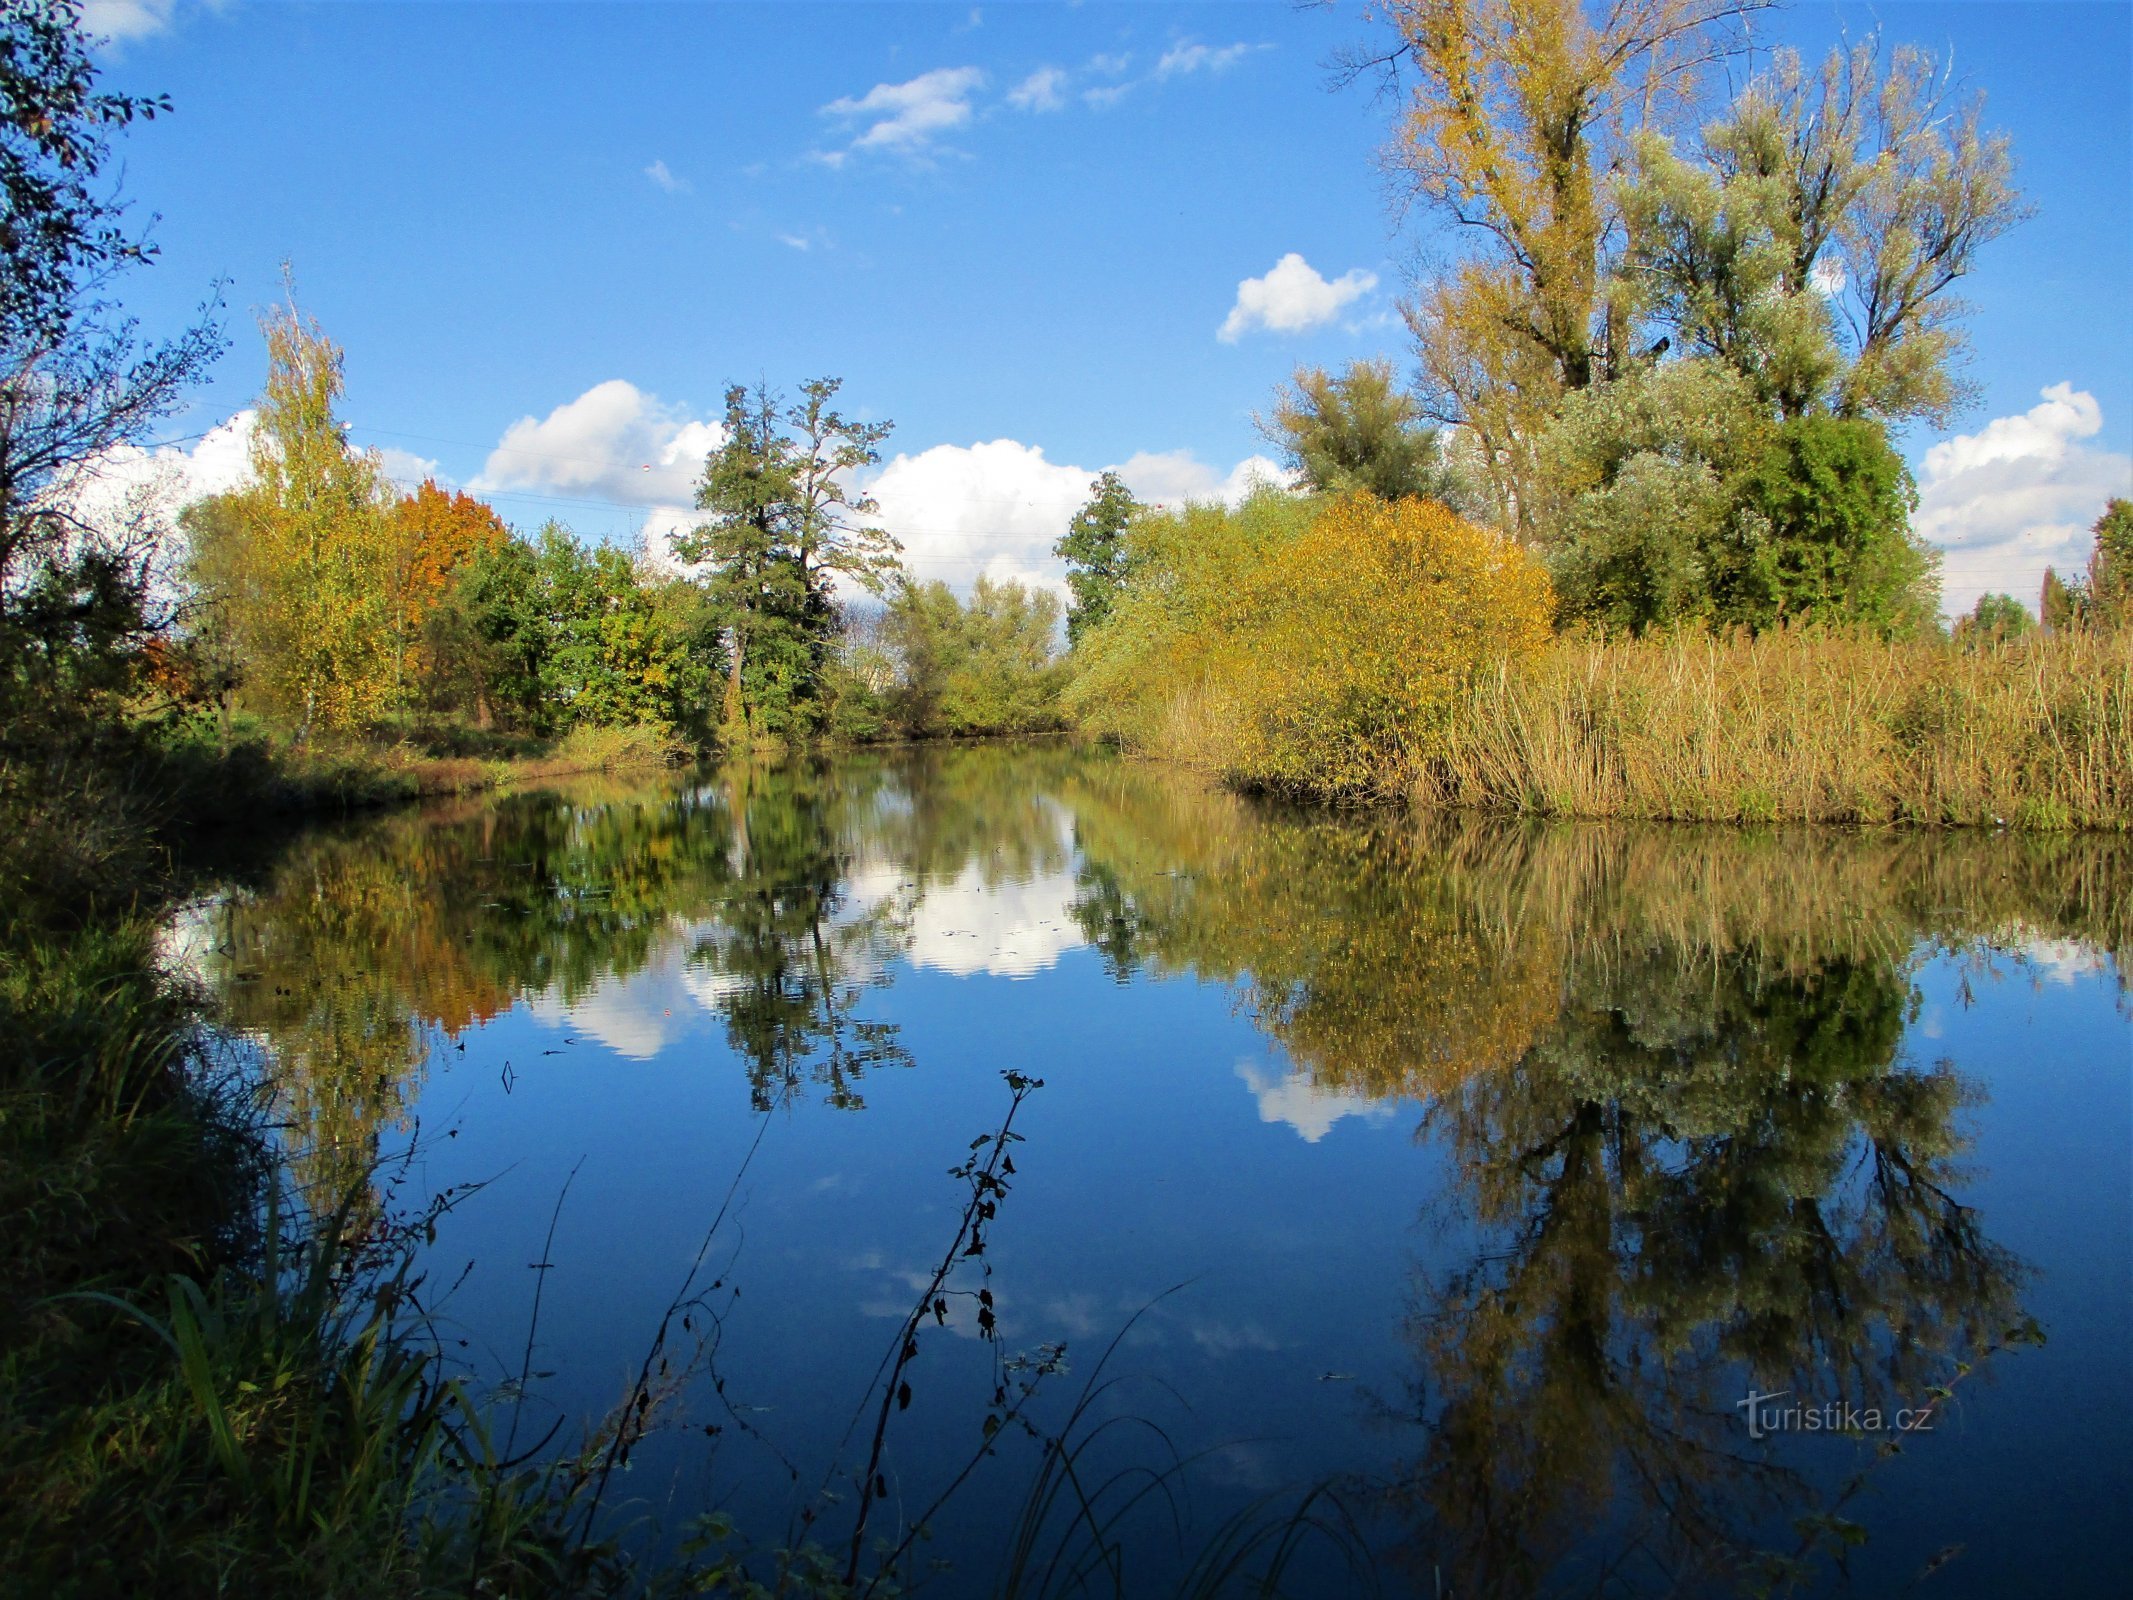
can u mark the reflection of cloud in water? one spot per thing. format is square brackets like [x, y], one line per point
[640, 1015]
[974, 922]
[1011, 930]
[2063, 961]
[1293, 1098]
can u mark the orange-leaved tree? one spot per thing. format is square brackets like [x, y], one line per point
[436, 534]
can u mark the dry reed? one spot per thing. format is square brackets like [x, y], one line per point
[1800, 725]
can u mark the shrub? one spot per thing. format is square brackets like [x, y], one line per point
[1355, 644]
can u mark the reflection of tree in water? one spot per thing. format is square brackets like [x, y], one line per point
[1668, 1069]
[365, 945]
[1710, 1176]
[791, 965]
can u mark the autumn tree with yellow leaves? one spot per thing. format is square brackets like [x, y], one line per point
[299, 564]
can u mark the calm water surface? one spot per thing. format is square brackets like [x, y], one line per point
[1480, 1171]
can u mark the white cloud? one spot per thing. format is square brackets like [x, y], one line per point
[134, 487]
[614, 442]
[407, 469]
[1291, 298]
[2017, 496]
[907, 118]
[121, 21]
[1172, 477]
[1040, 91]
[662, 175]
[990, 510]
[996, 509]
[1187, 56]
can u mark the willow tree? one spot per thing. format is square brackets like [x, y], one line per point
[1514, 113]
[1811, 237]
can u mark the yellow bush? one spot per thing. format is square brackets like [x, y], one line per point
[1344, 653]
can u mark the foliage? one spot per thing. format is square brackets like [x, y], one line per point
[981, 666]
[1676, 498]
[303, 575]
[1358, 433]
[1094, 549]
[2102, 595]
[1513, 112]
[78, 605]
[549, 634]
[1995, 619]
[1305, 644]
[1346, 653]
[783, 529]
[57, 231]
[1149, 661]
[1812, 242]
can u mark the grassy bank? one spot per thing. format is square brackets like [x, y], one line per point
[1804, 726]
[205, 784]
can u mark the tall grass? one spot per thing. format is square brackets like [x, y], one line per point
[1800, 725]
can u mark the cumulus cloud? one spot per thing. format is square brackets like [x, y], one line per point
[1172, 477]
[2017, 496]
[121, 21]
[613, 442]
[664, 176]
[907, 118]
[124, 485]
[1042, 90]
[1292, 298]
[982, 510]
[995, 509]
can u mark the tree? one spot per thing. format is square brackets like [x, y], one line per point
[1994, 619]
[1674, 496]
[1812, 239]
[2110, 573]
[784, 527]
[1094, 549]
[75, 381]
[59, 231]
[308, 589]
[1357, 432]
[1514, 112]
[2061, 604]
[984, 666]
[434, 535]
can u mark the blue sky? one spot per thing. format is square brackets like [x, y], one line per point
[1019, 231]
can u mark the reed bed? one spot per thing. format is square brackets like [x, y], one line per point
[1799, 726]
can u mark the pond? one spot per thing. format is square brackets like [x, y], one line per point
[1589, 1209]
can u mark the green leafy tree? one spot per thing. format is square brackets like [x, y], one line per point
[982, 666]
[1825, 520]
[1994, 619]
[1357, 431]
[1675, 496]
[784, 527]
[2110, 573]
[1094, 549]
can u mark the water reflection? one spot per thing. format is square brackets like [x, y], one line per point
[1694, 1138]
